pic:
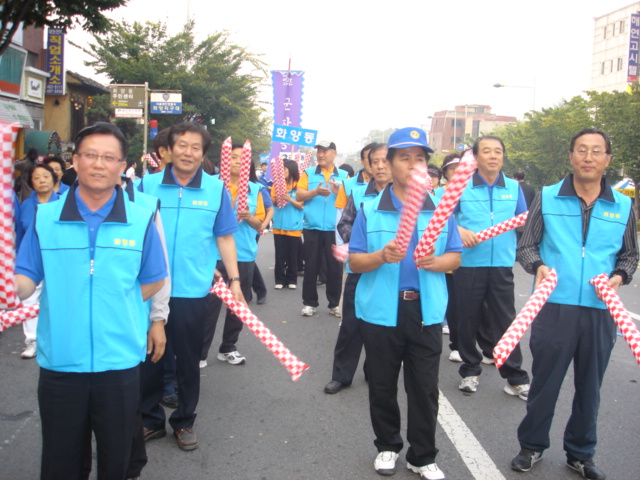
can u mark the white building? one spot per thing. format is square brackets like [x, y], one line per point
[613, 36]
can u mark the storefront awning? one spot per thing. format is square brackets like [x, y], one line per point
[14, 112]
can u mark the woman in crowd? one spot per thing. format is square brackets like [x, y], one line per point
[41, 179]
[58, 166]
[287, 230]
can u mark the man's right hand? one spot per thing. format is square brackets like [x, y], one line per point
[469, 239]
[322, 191]
[541, 274]
[391, 254]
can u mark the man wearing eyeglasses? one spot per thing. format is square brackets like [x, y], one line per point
[90, 348]
[582, 228]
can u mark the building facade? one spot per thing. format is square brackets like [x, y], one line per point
[616, 47]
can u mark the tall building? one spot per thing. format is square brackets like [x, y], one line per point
[616, 46]
[450, 128]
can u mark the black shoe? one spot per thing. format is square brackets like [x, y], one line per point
[170, 401]
[524, 461]
[587, 469]
[262, 300]
[186, 438]
[333, 387]
[153, 434]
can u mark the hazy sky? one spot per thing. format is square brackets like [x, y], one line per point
[392, 64]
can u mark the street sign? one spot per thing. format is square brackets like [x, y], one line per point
[166, 102]
[128, 96]
[460, 147]
[129, 112]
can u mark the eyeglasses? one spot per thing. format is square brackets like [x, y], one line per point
[595, 154]
[92, 157]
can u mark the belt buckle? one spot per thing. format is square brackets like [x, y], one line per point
[408, 295]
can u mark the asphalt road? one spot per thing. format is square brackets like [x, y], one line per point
[255, 423]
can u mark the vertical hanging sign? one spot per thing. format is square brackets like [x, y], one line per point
[55, 62]
[634, 47]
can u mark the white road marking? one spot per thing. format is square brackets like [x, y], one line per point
[635, 316]
[474, 456]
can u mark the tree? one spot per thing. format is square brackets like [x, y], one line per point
[219, 80]
[54, 13]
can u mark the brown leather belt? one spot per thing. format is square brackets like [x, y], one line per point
[409, 295]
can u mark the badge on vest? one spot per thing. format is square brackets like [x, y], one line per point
[507, 196]
[124, 242]
[200, 203]
[611, 215]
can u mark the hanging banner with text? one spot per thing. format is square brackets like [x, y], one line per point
[55, 62]
[287, 108]
[634, 47]
[165, 102]
[294, 136]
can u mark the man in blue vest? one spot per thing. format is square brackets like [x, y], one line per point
[485, 279]
[582, 228]
[199, 222]
[90, 348]
[401, 308]
[315, 189]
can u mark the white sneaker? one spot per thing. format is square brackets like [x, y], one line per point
[308, 311]
[385, 463]
[430, 472]
[30, 351]
[279, 286]
[445, 329]
[469, 384]
[454, 356]
[292, 286]
[234, 358]
[520, 391]
[203, 363]
[487, 360]
[335, 311]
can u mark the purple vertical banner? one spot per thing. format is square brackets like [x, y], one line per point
[55, 62]
[287, 107]
[634, 48]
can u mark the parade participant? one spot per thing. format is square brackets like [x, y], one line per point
[315, 189]
[485, 278]
[528, 190]
[346, 353]
[112, 257]
[58, 166]
[582, 228]
[199, 222]
[287, 230]
[401, 310]
[257, 285]
[436, 175]
[161, 149]
[41, 179]
[247, 249]
[449, 165]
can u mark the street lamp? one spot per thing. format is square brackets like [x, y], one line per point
[502, 85]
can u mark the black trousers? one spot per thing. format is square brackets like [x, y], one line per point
[317, 245]
[257, 283]
[561, 334]
[286, 270]
[346, 353]
[232, 324]
[415, 348]
[452, 313]
[477, 287]
[72, 405]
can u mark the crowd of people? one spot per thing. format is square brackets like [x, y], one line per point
[150, 248]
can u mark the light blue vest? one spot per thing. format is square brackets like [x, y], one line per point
[479, 210]
[377, 291]
[354, 182]
[361, 194]
[320, 212]
[245, 236]
[97, 322]
[188, 217]
[562, 244]
[288, 218]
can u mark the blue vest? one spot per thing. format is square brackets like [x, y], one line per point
[362, 194]
[188, 217]
[288, 218]
[245, 236]
[95, 321]
[479, 210]
[354, 182]
[320, 212]
[562, 247]
[377, 291]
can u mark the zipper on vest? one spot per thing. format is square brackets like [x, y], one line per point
[91, 267]
[175, 233]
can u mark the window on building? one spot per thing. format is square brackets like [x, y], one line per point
[620, 63]
[613, 29]
[602, 68]
[11, 68]
[623, 25]
[610, 66]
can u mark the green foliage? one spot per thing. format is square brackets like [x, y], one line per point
[99, 109]
[54, 13]
[219, 80]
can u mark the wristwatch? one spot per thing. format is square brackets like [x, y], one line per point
[233, 279]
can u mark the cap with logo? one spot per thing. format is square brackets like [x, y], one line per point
[326, 145]
[409, 137]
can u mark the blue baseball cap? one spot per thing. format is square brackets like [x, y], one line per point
[409, 137]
